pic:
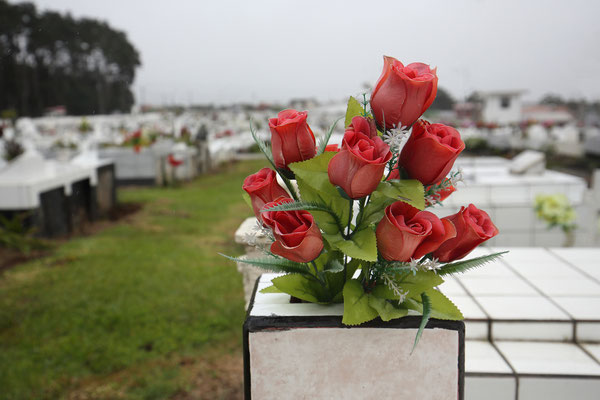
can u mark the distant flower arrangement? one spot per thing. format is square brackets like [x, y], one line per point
[351, 224]
[556, 211]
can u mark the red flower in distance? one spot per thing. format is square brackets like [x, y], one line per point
[360, 164]
[263, 188]
[173, 161]
[405, 232]
[292, 139]
[297, 236]
[430, 151]
[473, 227]
[403, 93]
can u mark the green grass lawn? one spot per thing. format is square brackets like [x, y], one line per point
[145, 309]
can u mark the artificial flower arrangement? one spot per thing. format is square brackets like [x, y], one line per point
[556, 210]
[351, 224]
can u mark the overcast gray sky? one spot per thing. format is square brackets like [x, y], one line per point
[227, 51]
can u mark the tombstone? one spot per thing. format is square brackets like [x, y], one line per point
[201, 143]
[500, 138]
[592, 141]
[568, 141]
[529, 162]
[103, 183]
[134, 168]
[55, 196]
[537, 137]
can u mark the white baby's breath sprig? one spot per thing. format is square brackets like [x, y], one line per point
[414, 265]
[431, 264]
[456, 177]
[257, 232]
[389, 281]
[395, 138]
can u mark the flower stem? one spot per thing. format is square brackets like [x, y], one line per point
[350, 212]
[317, 274]
[289, 185]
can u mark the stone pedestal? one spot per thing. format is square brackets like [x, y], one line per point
[303, 351]
[253, 240]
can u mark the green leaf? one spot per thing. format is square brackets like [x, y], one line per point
[356, 304]
[443, 307]
[314, 171]
[355, 108]
[387, 311]
[410, 191]
[324, 140]
[314, 185]
[373, 212]
[415, 284]
[463, 266]
[246, 198]
[426, 314]
[273, 264]
[362, 244]
[270, 289]
[333, 266]
[301, 287]
[351, 267]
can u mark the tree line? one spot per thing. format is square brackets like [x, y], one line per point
[48, 59]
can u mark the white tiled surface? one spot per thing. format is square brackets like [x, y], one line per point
[548, 358]
[521, 307]
[580, 308]
[490, 388]
[566, 286]
[482, 357]
[497, 286]
[531, 299]
[452, 288]
[540, 388]
[469, 308]
[594, 349]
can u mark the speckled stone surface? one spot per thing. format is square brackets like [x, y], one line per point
[359, 363]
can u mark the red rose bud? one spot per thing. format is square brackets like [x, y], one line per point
[430, 151]
[404, 232]
[473, 227]
[363, 125]
[297, 236]
[441, 194]
[359, 166]
[403, 93]
[292, 139]
[263, 188]
[332, 147]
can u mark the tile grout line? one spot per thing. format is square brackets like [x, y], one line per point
[573, 266]
[489, 318]
[514, 371]
[544, 295]
[586, 351]
[490, 341]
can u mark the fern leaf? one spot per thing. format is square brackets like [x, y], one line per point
[262, 145]
[299, 205]
[424, 319]
[463, 266]
[273, 264]
[325, 139]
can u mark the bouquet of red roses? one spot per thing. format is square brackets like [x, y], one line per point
[350, 225]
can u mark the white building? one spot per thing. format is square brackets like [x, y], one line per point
[501, 107]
